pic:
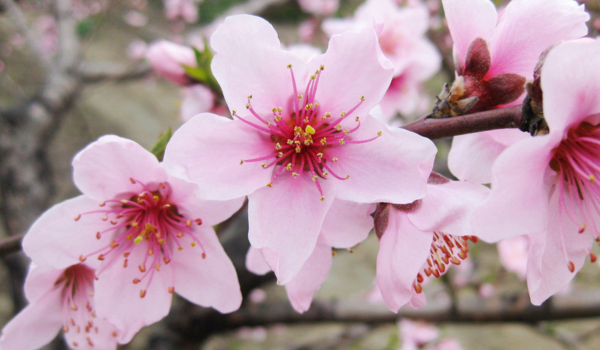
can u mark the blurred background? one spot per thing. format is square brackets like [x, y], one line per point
[71, 71]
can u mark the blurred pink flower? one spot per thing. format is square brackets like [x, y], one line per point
[135, 18]
[414, 334]
[59, 299]
[346, 224]
[322, 8]
[185, 9]
[136, 50]
[167, 59]
[45, 27]
[446, 344]
[150, 233]
[495, 55]
[401, 33]
[299, 137]
[513, 255]
[423, 239]
[546, 186]
[197, 99]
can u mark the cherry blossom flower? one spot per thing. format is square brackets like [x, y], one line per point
[513, 254]
[185, 9]
[322, 8]
[149, 232]
[59, 299]
[545, 187]
[301, 137]
[423, 239]
[401, 33]
[494, 56]
[197, 99]
[167, 59]
[414, 334]
[346, 224]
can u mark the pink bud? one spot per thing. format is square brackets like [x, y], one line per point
[167, 59]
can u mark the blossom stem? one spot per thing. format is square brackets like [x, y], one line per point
[437, 128]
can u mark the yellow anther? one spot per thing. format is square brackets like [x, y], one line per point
[233, 112]
[280, 154]
[155, 198]
[298, 149]
[247, 106]
[316, 105]
[264, 165]
[250, 97]
[347, 177]
[180, 248]
[193, 244]
[273, 109]
[280, 109]
[79, 217]
[299, 96]
[294, 174]
[592, 179]
[379, 133]
[269, 185]
[327, 114]
[268, 123]
[161, 241]
[346, 131]
[288, 167]
[322, 198]
[314, 178]
[313, 77]
[338, 127]
[325, 173]
[324, 140]
[343, 114]
[342, 141]
[290, 141]
[289, 66]
[308, 106]
[277, 146]
[241, 162]
[320, 155]
[150, 251]
[362, 98]
[322, 67]
[137, 239]
[356, 119]
[310, 130]
[334, 159]
[277, 118]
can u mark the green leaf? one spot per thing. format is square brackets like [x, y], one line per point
[159, 148]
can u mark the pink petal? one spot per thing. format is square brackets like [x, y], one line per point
[468, 20]
[571, 81]
[249, 61]
[513, 254]
[102, 338]
[347, 224]
[207, 151]
[447, 207]
[167, 59]
[103, 169]
[550, 252]
[287, 219]
[210, 281]
[210, 212]
[392, 168]
[197, 99]
[402, 251]
[119, 300]
[256, 263]
[301, 289]
[472, 156]
[355, 62]
[518, 202]
[525, 29]
[42, 319]
[57, 240]
[39, 281]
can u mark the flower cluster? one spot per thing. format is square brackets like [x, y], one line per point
[298, 141]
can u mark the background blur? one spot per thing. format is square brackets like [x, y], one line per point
[48, 114]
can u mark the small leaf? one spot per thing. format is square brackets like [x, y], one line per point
[159, 148]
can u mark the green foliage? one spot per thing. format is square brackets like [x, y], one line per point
[209, 10]
[86, 27]
[159, 148]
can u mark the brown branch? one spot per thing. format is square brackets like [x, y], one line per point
[112, 72]
[437, 128]
[10, 245]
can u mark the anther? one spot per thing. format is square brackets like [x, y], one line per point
[157, 267]
[171, 290]
[334, 159]
[150, 251]
[342, 141]
[203, 255]
[289, 66]
[125, 263]
[322, 198]
[264, 165]
[314, 178]
[193, 244]
[166, 260]
[124, 201]
[114, 244]
[357, 118]
[582, 228]
[571, 266]
[142, 268]
[101, 257]
[137, 239]
[142, 293]
[82, 258]
[233, 112]
[592, 179]
[132, 180]
[362, 98]
[104, 218]
[188, 223]
[77, 217]
[247, 106]
[593, 257]
[379, 133]
[277, 146]
[294, 174]
[269, 185]
[241, 162]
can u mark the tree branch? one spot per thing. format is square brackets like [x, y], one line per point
[436, 128]
[113, 72]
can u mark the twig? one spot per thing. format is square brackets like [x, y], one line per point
[113, 72]
[10, 245]
[434, 128]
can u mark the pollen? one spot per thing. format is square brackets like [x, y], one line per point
[137, 239]
[77, 217]
[310, 130]
[379, 133]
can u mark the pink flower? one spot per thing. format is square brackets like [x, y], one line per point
[150, 233]
[495, 55]
[346, 224]
[513, 254]
[415, 334]
[423, 239]
[545, 186]
[293, 156]
[167, 59]
[322, 8]
[59, 299]
[197, 99]
[185, 9]
[401, 34]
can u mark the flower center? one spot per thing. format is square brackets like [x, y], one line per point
[77, 284]
[149, 221]
[305, 138]
[445, 250]
[576, 161]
